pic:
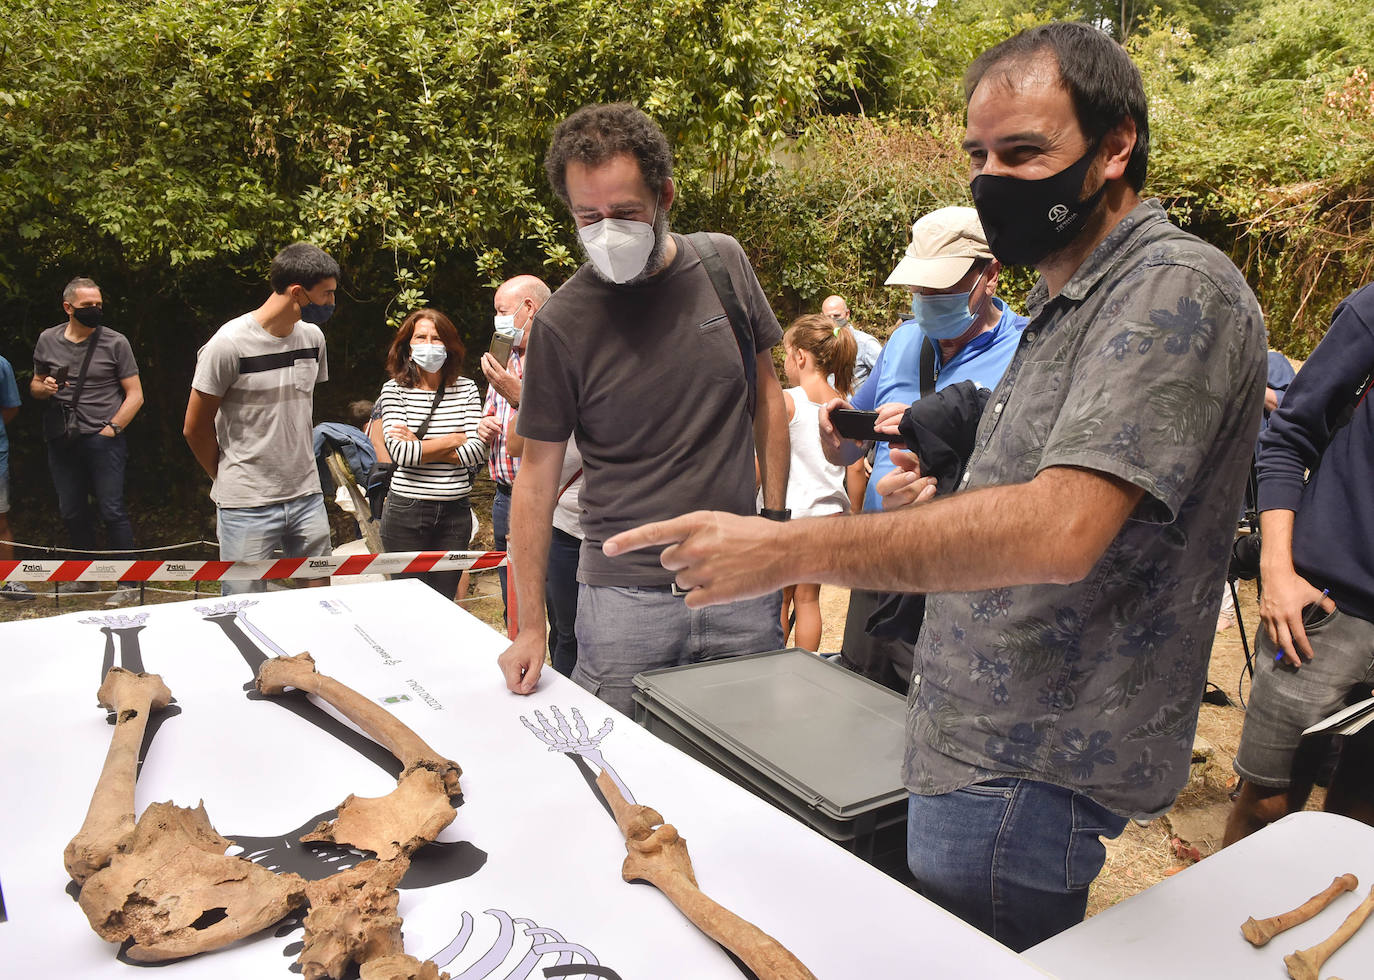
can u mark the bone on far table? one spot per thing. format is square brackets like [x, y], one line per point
[1189, 925]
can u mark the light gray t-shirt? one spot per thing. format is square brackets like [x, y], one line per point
[264, 421]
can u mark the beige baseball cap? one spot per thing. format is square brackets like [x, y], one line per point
[944, 245]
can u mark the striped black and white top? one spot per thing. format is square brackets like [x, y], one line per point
[459, 411]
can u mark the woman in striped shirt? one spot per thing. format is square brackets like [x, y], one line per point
[427, 507]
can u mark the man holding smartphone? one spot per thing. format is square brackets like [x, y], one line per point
[85, 374]
[958, 331]
[516, 302]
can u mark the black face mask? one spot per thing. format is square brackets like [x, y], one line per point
[1026, 220]
[88, 316]
[317, 313]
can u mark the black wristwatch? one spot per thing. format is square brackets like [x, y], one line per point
[776, 515]
[115, 425]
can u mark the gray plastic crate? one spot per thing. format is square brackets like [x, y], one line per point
[818, 741]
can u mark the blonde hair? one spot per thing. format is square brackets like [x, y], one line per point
[832, 345]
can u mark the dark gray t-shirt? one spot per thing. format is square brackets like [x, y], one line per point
[650, 380]
[112, 362]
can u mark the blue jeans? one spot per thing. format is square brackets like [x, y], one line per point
[293, 529]
[560, 600]
[1011, 857]
[624, 630]
[500, 530]
[411, 524]
[92, 466]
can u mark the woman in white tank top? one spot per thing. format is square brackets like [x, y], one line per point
[817, 348]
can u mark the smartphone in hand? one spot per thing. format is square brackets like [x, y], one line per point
[500, 348]
[61, 376]
[854, 424]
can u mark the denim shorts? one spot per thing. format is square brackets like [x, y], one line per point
[1285, 699]
[4, 485]
[292, 529]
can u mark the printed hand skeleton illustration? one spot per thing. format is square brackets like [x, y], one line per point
[656, 853]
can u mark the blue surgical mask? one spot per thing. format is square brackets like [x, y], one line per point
[945, 316]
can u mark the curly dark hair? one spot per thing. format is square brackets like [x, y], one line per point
[596, 133]
[403, 370]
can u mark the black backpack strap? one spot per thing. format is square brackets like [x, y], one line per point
[927, 366]
[438, 397]
[734, 312]
[85, 367]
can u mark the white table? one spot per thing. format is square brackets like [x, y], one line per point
[1189, 925]
[539, 845]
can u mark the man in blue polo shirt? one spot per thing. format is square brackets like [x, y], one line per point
[958, 331]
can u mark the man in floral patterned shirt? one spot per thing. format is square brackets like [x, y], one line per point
[1072, 576]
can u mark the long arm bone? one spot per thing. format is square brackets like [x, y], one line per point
[1305, 964]
[658, 855]
[109, 822]
[1260, 931]
[279, 673]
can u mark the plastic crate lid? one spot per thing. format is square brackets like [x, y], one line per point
[835, 738]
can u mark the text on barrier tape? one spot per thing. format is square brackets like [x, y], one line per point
[216, 571]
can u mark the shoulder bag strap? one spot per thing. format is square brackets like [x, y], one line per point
[734, 312]
[85, 366]
[927, 366]
[424, 427]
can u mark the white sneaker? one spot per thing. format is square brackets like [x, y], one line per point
[17, 591]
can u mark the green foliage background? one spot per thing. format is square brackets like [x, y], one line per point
[169, 147]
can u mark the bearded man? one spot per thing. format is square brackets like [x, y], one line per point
[1070, 579]
[668, 395]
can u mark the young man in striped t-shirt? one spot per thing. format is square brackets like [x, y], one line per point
[249, 417]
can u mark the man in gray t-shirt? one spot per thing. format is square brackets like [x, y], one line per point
[85, 374]
[249, 417]
[636, 356]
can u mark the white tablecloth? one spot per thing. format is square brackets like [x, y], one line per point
[539, 847]
[1189, 925]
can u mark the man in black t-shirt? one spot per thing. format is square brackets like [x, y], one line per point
[84, 419]
[636, 356]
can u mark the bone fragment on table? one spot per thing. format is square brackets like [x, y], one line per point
[175, 892]
[395, 825]
[353, 920]
[1260, 931]
[279, 673]
[109, 820]
[1305, 964]
[658, 855]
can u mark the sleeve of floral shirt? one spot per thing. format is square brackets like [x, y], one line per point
[1156, 374]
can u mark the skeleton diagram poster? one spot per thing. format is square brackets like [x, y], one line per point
[524, 883]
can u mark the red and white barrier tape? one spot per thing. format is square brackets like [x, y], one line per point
[214, 571]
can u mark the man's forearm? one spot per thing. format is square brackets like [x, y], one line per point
[205, 447]
[774, 448]
[127, 410]
[531, 520]
[980, 539]
[1276, 543]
